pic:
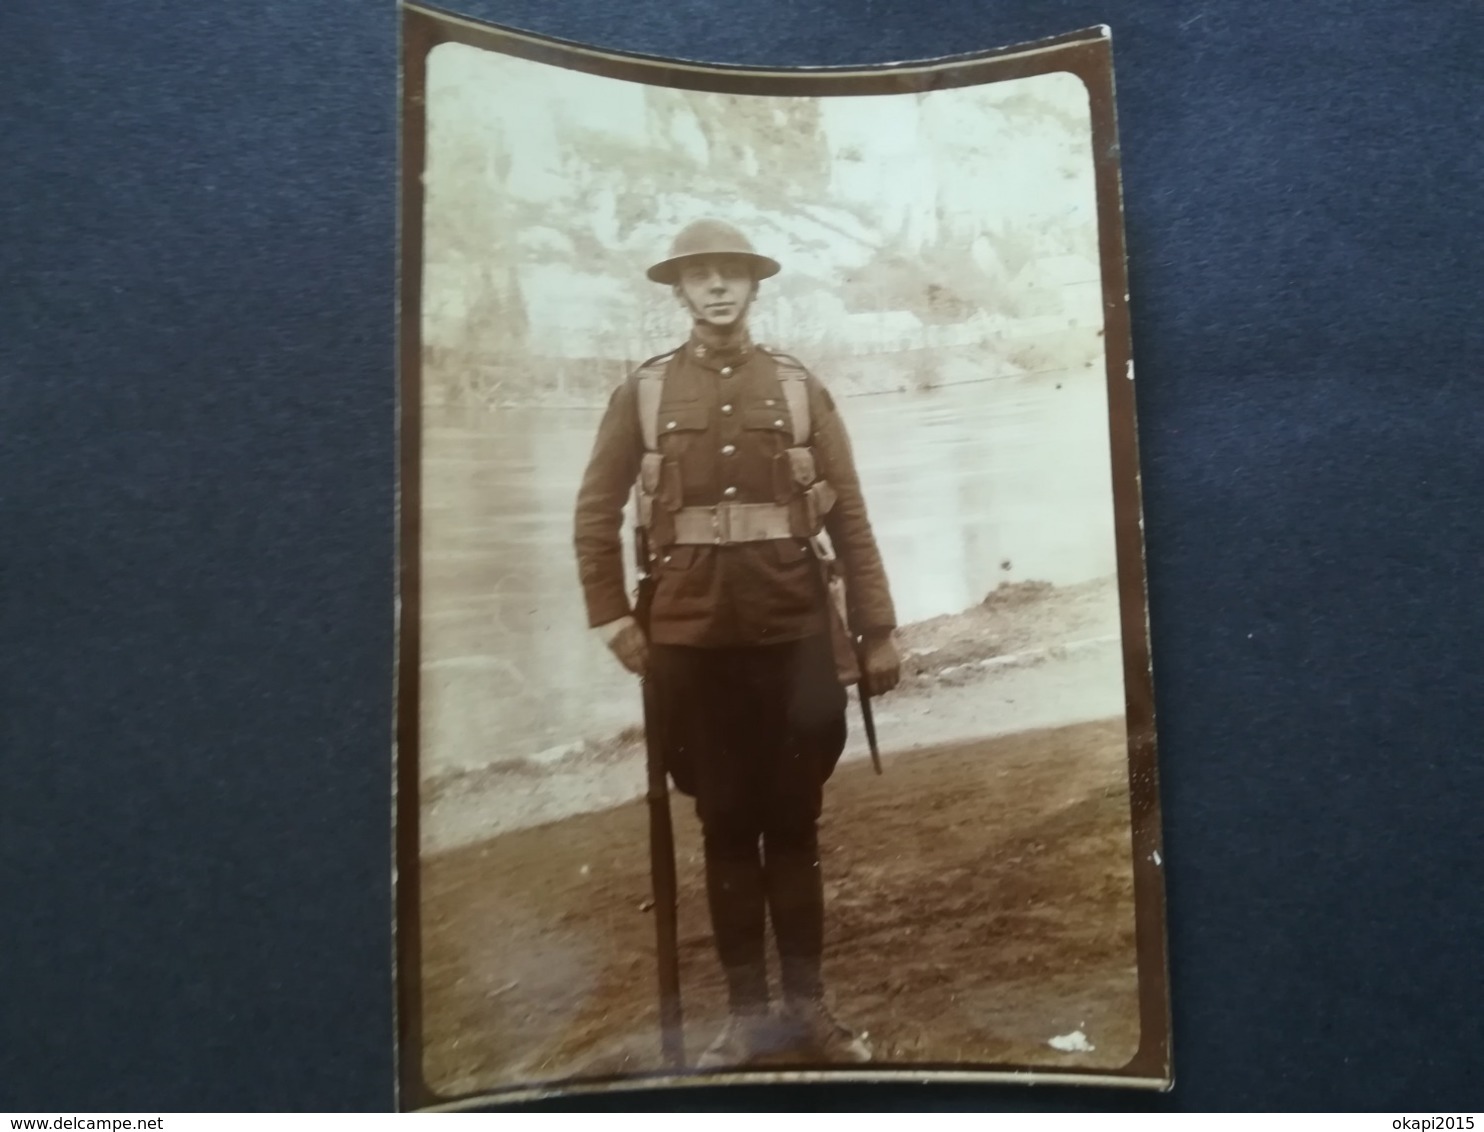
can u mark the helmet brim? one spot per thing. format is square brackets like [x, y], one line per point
[668, 270]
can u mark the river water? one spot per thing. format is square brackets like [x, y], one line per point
[968, 486]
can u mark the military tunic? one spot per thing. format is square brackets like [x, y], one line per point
[723, 427]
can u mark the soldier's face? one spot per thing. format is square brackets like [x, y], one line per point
[717, 289]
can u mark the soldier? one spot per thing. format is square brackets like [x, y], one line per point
[741, 462]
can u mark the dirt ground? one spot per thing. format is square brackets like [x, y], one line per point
[979, 903]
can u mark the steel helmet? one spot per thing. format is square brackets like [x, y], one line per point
[710, 237]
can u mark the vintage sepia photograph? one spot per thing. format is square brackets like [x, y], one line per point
[774, 694]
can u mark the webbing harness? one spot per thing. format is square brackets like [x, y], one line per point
[727, 523]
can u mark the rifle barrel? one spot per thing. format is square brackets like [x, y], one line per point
[661, 841]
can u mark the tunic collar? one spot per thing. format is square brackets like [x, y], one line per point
[720, 357]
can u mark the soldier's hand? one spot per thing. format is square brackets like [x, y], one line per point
[631, 648]
[883, 663]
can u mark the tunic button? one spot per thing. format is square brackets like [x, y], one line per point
[777, 424]
[726, 371]
[730, 493]
[727, 409]
[728, 449]
[669, 424]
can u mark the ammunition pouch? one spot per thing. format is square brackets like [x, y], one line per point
[809, 498]
[819, 501]
[800, 466]
[802, 502]
[651, 467]
[655, 499]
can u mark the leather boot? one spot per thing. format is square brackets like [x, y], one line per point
[748, 1031]
[746, 1035]
[806, 1025]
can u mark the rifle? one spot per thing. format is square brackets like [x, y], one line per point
[661, 837]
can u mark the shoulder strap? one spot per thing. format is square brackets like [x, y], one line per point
[651, 378]
[795, 381]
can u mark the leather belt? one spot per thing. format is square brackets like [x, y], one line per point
[728, 523]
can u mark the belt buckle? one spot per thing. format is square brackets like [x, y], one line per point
[722, 523]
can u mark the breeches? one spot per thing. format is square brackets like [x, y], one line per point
[752, 734]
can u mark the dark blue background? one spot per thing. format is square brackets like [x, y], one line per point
[197, 212]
